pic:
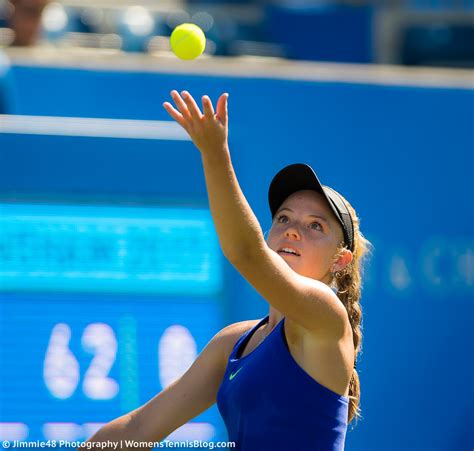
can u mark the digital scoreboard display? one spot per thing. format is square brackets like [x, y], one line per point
[108, 249]
[101, 308]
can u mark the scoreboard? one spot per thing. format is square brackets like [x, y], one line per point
[101, 308]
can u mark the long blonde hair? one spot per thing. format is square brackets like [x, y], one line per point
[348, 283]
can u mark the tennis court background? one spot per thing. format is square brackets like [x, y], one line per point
[401, 152]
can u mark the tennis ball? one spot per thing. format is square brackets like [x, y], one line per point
[187, 41]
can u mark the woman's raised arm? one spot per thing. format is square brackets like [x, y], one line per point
[236, 225]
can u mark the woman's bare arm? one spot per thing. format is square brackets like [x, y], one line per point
[182, 400]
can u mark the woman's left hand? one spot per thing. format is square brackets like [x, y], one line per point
[208, 130]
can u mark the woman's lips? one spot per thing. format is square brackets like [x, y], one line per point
[287, 254]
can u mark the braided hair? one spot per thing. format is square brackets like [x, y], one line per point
[348, 283]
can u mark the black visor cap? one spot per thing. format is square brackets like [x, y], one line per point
[300, 176]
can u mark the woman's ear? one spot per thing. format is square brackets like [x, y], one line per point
[344, 258]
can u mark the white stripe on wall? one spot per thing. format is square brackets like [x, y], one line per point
[92, 127]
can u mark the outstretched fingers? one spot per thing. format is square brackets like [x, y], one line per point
[187, 113]
[182, 107]
[222, 108]
[191, 105]
[176, 115]
[207, 107]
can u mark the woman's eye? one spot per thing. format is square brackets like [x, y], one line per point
[317, 224]
[280, 217]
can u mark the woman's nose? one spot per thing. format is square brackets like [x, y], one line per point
[292, 232]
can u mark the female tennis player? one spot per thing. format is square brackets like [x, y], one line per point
[287, 381]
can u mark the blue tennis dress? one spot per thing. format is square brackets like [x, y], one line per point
[269, 403]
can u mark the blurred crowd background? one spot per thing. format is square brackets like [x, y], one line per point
[409, 32]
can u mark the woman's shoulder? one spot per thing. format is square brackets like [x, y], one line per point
[229, 335]
[234, 331]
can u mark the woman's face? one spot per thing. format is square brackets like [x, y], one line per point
[306, 224]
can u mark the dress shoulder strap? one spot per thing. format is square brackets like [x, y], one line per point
[244, 338]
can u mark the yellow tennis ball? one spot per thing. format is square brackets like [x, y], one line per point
[187, 41]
